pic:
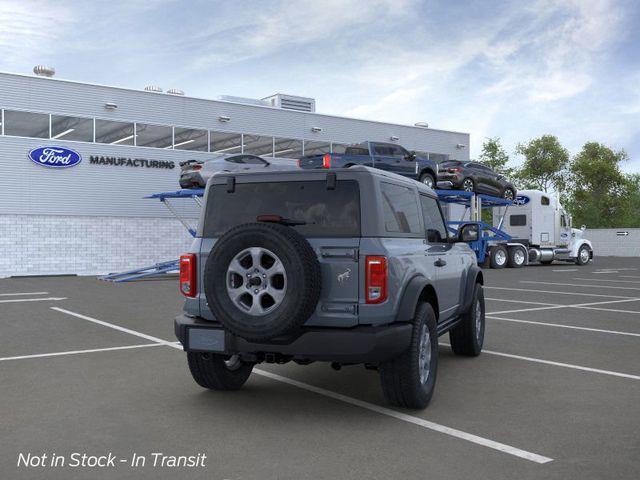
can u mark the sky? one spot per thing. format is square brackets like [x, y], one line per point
[509, 69]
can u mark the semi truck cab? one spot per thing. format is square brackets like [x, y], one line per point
[538, 221]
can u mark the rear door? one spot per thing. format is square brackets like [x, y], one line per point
[383, 158]
[444, 262]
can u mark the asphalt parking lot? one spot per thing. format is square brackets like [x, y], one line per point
[89, 366]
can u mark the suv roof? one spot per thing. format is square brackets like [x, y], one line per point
[317, 174]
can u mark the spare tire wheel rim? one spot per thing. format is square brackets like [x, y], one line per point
[424, 354]
[256, 281]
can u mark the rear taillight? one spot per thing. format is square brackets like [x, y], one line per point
[196, 167]
[454, 170]
[188, 286]
[375, 279]
[326, 160]
[298, 161]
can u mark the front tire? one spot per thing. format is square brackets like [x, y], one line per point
[467, 337]
[218, 372]
[584, 255]
[409, 380]
[428, 180]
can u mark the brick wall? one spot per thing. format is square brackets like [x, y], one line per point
[49, 245]
[612, 241]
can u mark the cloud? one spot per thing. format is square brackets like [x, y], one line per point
[30, 29]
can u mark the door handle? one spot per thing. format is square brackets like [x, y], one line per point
[440, 263]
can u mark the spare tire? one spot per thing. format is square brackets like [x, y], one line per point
[262, 280]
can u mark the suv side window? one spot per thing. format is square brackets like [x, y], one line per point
[400, 209]
[435, 228]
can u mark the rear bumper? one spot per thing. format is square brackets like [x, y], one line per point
[362, 344]
[191, 179]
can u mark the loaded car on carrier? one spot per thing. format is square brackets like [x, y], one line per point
[350, 266]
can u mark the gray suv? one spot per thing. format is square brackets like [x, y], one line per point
[350, 266]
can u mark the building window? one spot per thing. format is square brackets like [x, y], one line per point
[157, 136]
[287, 148]
[115, 133]
[26, 124]
[400, 209]
[316, 148]
[257, 145]
[225, 142]
[190, 139]
[71, 128]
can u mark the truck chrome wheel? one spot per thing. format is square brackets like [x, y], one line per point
[584, 255]
[518, 256]
[467, 185]
[256, 281]
[501, 257]
[428, 181]
[424, 354]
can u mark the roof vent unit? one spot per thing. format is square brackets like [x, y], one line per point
[244, 100]
[43, 71]
[291, 102]
[153, 88]
[175, 91]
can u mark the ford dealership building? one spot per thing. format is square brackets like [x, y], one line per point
[77, 160]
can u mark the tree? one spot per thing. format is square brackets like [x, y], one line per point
[600, 195]
[545, 164]
[494, 156]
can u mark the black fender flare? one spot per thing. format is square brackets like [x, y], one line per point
[474, 275]
[410, 298]
[428, 170]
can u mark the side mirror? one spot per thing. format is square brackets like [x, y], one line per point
[411, 156]
[469, 232]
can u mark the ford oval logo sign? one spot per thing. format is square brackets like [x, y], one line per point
[521, 200]
[55, 157]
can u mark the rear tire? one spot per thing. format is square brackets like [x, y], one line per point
[409, 380]
[428, 180]
[467, 337]
[218, 372]
[498, 256]
[517, 257]
[468, 185]
[508, 194]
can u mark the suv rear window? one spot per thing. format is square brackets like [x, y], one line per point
[327, 213]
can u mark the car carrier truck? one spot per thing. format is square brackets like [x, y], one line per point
[533, 228]
[540, 231]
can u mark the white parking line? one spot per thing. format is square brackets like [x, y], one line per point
[485, 442]
[76, 352]
[588, 306]
[533, 457]
[566, 270]
[519, 301]
[559, 325]
[557, 292]
[581, 285]
[27, 293]
[48, 299]
[558, 364]
[629, 276]
[115, 327]
[606, 280]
